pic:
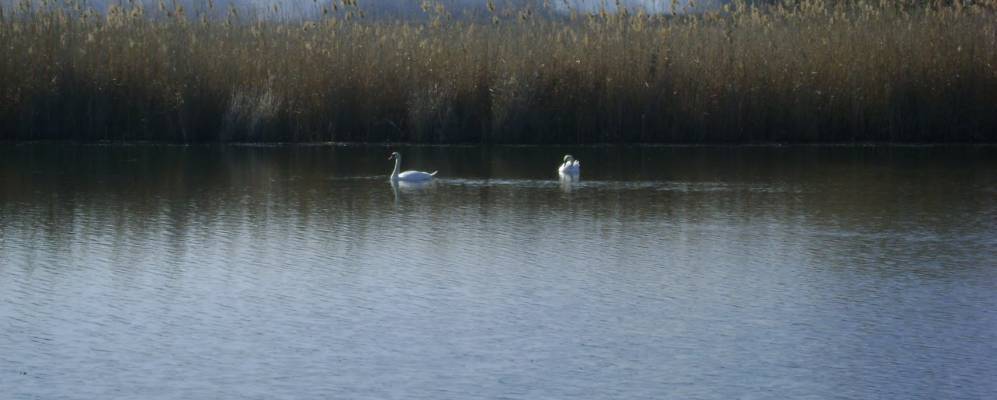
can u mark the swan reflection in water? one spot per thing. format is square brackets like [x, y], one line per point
[568, 181]
[400, 187]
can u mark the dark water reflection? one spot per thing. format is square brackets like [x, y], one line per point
[665, 272]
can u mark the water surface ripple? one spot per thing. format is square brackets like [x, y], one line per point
[163, 272]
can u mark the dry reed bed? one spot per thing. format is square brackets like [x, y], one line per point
[808, 71]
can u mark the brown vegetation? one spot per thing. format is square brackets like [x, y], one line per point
[803, 71]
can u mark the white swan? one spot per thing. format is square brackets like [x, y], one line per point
[408, 176]
[570, 166]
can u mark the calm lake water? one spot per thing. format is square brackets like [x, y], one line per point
[299, 272]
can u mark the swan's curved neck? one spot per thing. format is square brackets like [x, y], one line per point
[398, 164]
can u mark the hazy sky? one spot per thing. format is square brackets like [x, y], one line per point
[648, 5]
[564, 5]
[304, 7]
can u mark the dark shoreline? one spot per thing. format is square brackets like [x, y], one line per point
[70, 142]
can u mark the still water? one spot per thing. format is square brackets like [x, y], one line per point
[299, 272]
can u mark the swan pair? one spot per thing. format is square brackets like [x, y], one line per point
[570, 167]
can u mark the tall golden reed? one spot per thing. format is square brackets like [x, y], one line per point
[797, 71]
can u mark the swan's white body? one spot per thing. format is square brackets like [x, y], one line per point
[408, 176]
[571, 166]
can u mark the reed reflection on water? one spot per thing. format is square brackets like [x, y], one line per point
[664, 272]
